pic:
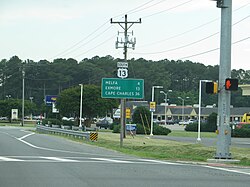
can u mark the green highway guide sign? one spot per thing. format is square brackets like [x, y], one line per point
[122, 88]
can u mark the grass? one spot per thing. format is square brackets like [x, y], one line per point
[145, 147]
[17, 124]
[179, 133]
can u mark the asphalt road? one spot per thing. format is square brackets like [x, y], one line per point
[235, 142]
[36, 160]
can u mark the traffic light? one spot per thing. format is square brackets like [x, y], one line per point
[211, 87]
[231, 84]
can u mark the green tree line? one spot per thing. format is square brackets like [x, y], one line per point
[52, 77]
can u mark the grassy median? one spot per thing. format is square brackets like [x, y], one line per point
[144, 146]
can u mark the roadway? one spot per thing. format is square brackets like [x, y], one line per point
[28, 159]
[235, 142]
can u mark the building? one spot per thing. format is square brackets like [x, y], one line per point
[176, 113]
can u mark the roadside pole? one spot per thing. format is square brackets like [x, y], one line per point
[124, 72]
[224, 130]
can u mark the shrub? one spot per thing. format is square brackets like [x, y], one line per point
[140, 129]
[210, 126]
[159, 130]
[68, 123]
[117, 128]
[243, 132]
[140, 114]
[51, 121]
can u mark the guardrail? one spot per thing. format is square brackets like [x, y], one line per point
[80, 134]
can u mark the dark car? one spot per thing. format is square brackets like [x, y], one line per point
[103, 124]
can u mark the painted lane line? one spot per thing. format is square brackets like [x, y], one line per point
[111, 160]
[10, 159]
[162, 162]
[228, 170]
[59, 159]
[25, 136]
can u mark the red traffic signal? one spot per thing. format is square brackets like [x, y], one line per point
[231, 84]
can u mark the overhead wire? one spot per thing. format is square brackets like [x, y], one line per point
[137, 9]
[171, 8]
[215, 49]
[192, 29]
[192, 43]
[76, 44]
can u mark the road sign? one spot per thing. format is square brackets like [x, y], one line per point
[122, 64]
[128, 113]
[49, 99]
[122, 88]
[122, 73]
[152, 106]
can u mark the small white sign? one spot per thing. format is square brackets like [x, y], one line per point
[14, 113]
[122, 73]
[54, 109]
[122, 64]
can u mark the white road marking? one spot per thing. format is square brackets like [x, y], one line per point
[59, 159]
[111, 160]
[228, 170]
[162, 162]
[25, 136]
[10, 159]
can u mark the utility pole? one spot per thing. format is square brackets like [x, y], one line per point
[125, 45]
[23, 73]
[224, 96]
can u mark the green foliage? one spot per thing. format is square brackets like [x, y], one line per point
[159, 130]
[141, 115]
[243, 132]
[68, 102]
[53, 77]
[7, 105]
[210, 126]
[51, 121]
[141, 130]
[68, 123]
[117, 129]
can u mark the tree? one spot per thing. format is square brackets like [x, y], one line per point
[68, 102]
[141, 115]
[7, 105]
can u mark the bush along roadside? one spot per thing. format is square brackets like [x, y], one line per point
[158, 130]
[243, 132]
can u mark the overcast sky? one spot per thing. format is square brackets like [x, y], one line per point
[170, 29]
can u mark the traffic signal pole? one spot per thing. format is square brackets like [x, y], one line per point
[224, 96]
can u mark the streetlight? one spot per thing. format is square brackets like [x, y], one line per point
[199, 116]
[152, 113]
[31, 98]
[8, 96]
[80, 124]
[183, 100]
[166, 97]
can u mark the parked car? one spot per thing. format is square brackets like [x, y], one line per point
[187, 122]
[183, 122]
[170, 122]
[3, 118]
[103, 124]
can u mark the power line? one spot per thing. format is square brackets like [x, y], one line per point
[95, 46]
[174, 7]
[195, 42]
[147, 7]
[190, 30]
[88, 41]
[80, 41]
[215, 49]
